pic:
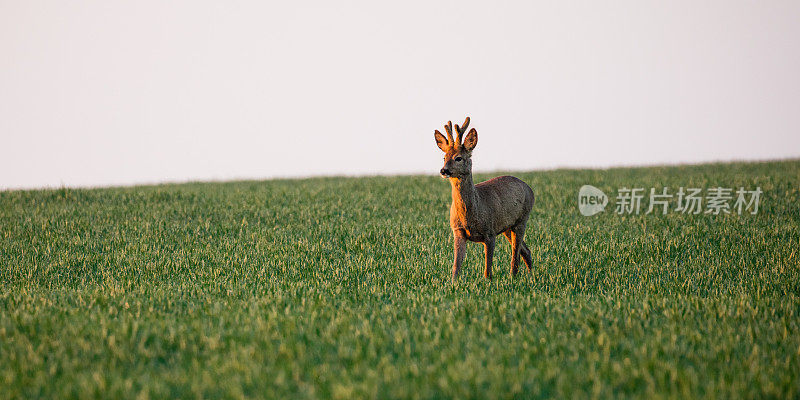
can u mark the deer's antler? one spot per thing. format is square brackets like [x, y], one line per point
[461, 130]
[449, 128]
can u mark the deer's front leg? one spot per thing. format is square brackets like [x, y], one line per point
[459, 250]
[488, 248]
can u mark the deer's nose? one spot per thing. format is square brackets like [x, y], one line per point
[445, 172]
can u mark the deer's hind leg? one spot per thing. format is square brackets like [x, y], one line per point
[516, 236]
[515, 240]
[523, 248]
[526, 255]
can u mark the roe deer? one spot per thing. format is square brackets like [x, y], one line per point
[481, 212]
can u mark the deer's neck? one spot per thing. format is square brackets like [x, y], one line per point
[465, 198]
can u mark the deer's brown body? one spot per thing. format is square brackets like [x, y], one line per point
[481, 212]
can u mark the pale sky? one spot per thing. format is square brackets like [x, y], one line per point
[98, 93]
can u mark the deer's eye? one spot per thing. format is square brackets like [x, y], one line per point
[457, 159]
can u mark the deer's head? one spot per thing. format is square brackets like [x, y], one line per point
[457, 153]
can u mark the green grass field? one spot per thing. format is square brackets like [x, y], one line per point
[340, 288]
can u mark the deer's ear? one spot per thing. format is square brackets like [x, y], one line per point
[441, 141]
[471, 140]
